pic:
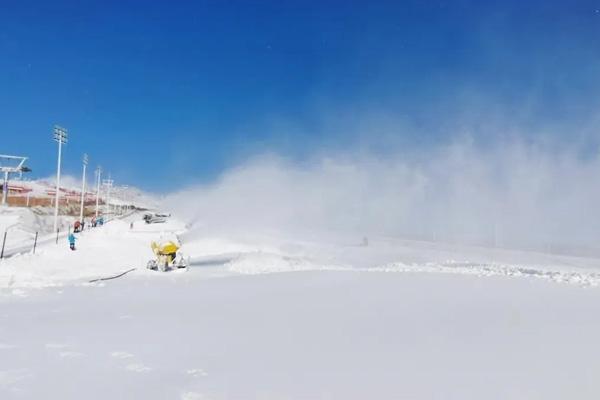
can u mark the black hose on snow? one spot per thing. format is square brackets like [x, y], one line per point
[113, 277]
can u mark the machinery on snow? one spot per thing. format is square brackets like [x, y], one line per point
[167, 257]
[156, 218]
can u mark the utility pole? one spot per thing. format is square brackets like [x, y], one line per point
[60, 136]
[98, 174]
[108, 183]
[125, 206]
[5, 188]
[85, 163]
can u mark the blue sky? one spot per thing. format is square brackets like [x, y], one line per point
[163, 94]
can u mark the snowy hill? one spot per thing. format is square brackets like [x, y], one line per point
[272, 316]
[21, 224]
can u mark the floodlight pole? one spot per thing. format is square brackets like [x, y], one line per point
[85, 162]
[60, 135]
[5, 188]
[108, 183]
[124, 197]
[107, 205]
[98, 174]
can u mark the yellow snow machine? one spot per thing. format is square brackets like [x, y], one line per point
[166, 257]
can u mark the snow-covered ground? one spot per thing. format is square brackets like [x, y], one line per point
[265, 316]
[21, 225]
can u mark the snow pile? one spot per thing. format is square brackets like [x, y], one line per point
[578, 278]
[8, 219]
[263, 263]
[21, 224]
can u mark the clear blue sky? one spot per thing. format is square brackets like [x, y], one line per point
[147, 87]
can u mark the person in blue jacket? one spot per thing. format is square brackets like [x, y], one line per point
[72, 240]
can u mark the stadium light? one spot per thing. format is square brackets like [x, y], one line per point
[109, 184]
[125, 204]
[98, 175]
[60, 136]
[85, 163]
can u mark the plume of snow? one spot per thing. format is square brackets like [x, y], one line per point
[512, 195]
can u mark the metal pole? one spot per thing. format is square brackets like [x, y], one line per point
[35, 242]
[28, 195]
[56, 198]
[5, 188]
[3, 243]
[99, 172]
[85, 161]
[108, 199]
[109, 184]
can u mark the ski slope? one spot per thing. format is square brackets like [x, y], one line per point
[265, 316]
[21, 225]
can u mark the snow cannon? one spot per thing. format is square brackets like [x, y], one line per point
[166, 256]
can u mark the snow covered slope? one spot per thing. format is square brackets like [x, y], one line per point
[100, 251]
[21, 224]
[260, 316]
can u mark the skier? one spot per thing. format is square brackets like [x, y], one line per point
[72, 240]
[77, 226]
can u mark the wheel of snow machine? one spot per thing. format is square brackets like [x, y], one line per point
[152, 265]
[181, 263]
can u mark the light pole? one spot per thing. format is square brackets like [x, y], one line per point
[108, 183]
[60, 136]
[5, 188]
[85, 163]
[124, 199]
[98, 174]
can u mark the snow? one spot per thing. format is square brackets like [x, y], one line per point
[267, 315]
[21, 224]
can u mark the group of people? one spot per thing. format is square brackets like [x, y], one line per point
[79, 226]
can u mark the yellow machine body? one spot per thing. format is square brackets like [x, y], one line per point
[167, 256]
[164, 248]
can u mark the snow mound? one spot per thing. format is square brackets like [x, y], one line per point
[264, 263]
[579, 278]
[21, 224]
